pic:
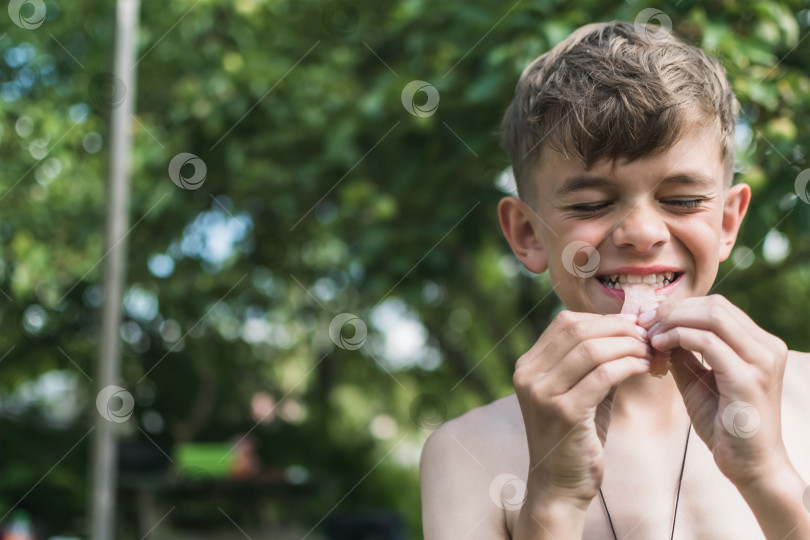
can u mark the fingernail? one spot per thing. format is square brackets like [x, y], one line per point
[658, 340]
[649, 307]
[653, 329]
[642, 332]
[647, 316]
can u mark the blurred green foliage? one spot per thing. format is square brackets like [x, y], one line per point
[323, 195]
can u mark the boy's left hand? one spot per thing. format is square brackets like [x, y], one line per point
[736, 405]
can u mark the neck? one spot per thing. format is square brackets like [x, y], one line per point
[644, 400]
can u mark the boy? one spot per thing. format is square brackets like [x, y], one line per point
[622, 145]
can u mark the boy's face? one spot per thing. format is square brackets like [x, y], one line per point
[667, 212]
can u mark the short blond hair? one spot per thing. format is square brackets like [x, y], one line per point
[616, 90]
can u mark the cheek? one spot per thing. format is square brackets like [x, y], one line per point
[592, 233]
[698, 239]
[701, 240]
[701, 228]
[575, 250]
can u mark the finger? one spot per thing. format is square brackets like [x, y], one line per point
[722, 358]
[698, 386]
[687, 370]
[550, 337]
[596, 385]
[589, 354]
[731, 325]
[719, 316]
[565, 339]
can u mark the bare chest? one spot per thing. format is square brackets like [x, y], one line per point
[640, 489]
[641, 495]
[641, 477]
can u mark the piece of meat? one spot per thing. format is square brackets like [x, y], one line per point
[637, 295]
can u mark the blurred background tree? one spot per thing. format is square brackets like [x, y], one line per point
[323, 195]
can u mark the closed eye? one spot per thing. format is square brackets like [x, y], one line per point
[685, 203]
[596, 207]
[590, 208]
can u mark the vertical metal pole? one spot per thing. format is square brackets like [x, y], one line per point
[105, 451]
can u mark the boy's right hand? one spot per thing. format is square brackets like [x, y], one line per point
[565, 386]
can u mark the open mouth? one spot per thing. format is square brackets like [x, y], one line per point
[659, 281]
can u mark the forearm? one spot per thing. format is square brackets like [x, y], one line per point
[545, 519]
[776, 502]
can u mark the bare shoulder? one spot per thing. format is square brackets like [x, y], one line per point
[796, 411]
[800, 357]
[797, 375]
[484, 428]
[460, 461]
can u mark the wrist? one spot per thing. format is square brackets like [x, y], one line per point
[770, 481]
[546, 516]
[776, 499]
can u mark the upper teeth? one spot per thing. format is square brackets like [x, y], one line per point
[659, 280]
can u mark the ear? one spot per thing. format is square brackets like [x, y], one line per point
[736, 204]
[518, 223]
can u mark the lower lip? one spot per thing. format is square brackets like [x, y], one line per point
[618, 293]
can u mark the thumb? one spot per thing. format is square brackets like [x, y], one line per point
[603, 413]
[686, 368]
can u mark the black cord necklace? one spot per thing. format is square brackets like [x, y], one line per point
[677, 496]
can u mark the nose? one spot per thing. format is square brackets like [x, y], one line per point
[642, 228]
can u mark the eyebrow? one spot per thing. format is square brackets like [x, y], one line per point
[577, 183]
